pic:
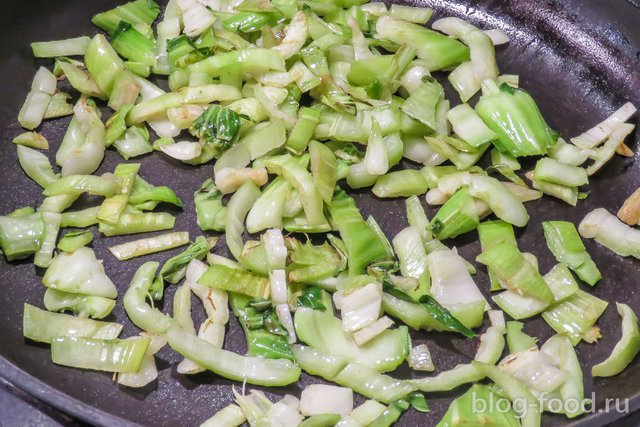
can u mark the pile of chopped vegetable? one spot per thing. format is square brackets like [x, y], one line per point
[293, 102]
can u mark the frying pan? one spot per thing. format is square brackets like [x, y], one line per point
[580, 59]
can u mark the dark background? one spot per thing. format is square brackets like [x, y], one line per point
[580, 59]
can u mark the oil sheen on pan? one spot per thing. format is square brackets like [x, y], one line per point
[579, 59]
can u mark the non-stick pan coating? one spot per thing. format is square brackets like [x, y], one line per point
[579, 59]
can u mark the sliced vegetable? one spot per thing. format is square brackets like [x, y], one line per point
[420, 358]
[416, 217]
[112, 207]
[457, 216]
[409, 248]
[211, 214]
[361, 305]
[32, 139]
[74, 240]
[67, 47]
[610, 232]
[392, 413]
[625, 350]
[514, 116]
[81, 219]
[576, 316]
[301, 180]
[143, 315]
[489, 351]
[366, 334]
[560, 282]
[326, 399]
[565, 244]
[237, 210]
[138, 222]
[253, 370]
[58, 106]
[135, 12]
[110, 73]
[105, 185]
[474, 408]
[149, 245]
[572, 390]
[134, 142]
[196, 18]
[302, 132]
[228, 180]
[613, 144]
[323, 169]
[535, 369]
[152, 108]
[175, 268]
[629, 213]
[423, 104]
[363, 245]
[568, 154]
[555, 172]
[43, 326]
[515, 272]
[82, 305]
[402, 183]
[235, 280]
[492, 233]
[463, 81]
[309, 263]
[43, 256]
[36, 165]
[445, 317]
[229, 416]
[79, 78]
[452, 285]
[418, 15]
[82, 148]
[321, 420]
[79, 272]
[253, 60]
[482, 52]
[371, 384]
[148, 371]
[217, 126]
[268, 210]
[34, 107]
[102, 355]
[562, 192]
[517, 340]
[266, 336]
[596, 135]
[438, 51]
[133, 45]
[324, 332]
[467, 125]
[143, 192]
[528, 407]
[500, 200]
[427, 312]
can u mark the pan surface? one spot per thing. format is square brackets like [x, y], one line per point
[579, 58]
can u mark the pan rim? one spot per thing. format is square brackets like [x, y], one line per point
[49, 394]
[77, 408]
[57, 399]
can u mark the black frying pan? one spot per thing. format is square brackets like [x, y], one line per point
[579, 58]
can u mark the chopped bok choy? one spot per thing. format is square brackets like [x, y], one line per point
[625, 350]
[300, 111]
[564, 241]
[610, 232]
